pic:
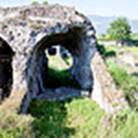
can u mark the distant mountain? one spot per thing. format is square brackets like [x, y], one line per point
[101, 23]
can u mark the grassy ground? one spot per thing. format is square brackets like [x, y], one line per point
[125, 123]
[73, 118]
[78, 118]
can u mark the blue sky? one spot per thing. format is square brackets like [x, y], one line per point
[127, 8]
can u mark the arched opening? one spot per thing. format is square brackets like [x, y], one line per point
[6, 73]
[49, 76]
[54, 59]
[60, 61]
[80, 46]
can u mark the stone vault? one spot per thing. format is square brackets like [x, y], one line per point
[25, 32]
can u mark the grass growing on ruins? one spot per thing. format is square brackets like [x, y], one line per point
[124, 81]
[121, 125]
[75, 118]
[121, 70]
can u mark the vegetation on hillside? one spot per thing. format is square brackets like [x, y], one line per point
[123, 124]
[126, 82]
[122, 78]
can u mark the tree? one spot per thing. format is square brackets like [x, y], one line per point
[119, 30]
[45, 2]
[35, 2]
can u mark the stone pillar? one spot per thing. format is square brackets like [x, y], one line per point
[82, 70]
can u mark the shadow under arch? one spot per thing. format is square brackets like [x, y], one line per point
[50, 119]
[39, 60]
[74, 40]
[6, 71]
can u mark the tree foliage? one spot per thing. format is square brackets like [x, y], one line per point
[35, 2]
[119, 29]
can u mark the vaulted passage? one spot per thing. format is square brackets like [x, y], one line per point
[6, 79]
[60, 60]
[33, 32]
[54, 58]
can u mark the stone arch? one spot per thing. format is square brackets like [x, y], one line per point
[80, 41]
[66, 40]
[79, 45]
[6, 72]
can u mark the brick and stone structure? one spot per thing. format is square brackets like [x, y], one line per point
[25, 33]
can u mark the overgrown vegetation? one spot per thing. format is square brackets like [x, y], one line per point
[125, 82]
[105, 53]
[74, 118]
[122, 78]
[124, 124]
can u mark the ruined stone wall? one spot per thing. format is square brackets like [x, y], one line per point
[29, 29]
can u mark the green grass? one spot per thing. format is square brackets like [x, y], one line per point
[124, 81]
[14, 126]
[126, 124]
[121, 125]
[77, 118]
[122, 78]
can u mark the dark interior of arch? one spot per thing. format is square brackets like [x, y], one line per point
[6, 72]
[68, 41]
[59, 69]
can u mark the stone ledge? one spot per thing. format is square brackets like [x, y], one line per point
[61, 93]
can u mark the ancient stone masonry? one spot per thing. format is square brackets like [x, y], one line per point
[25, 32]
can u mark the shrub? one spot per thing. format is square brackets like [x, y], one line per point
[76, 118]
[106, 52]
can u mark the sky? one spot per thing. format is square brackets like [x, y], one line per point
[127, 8]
